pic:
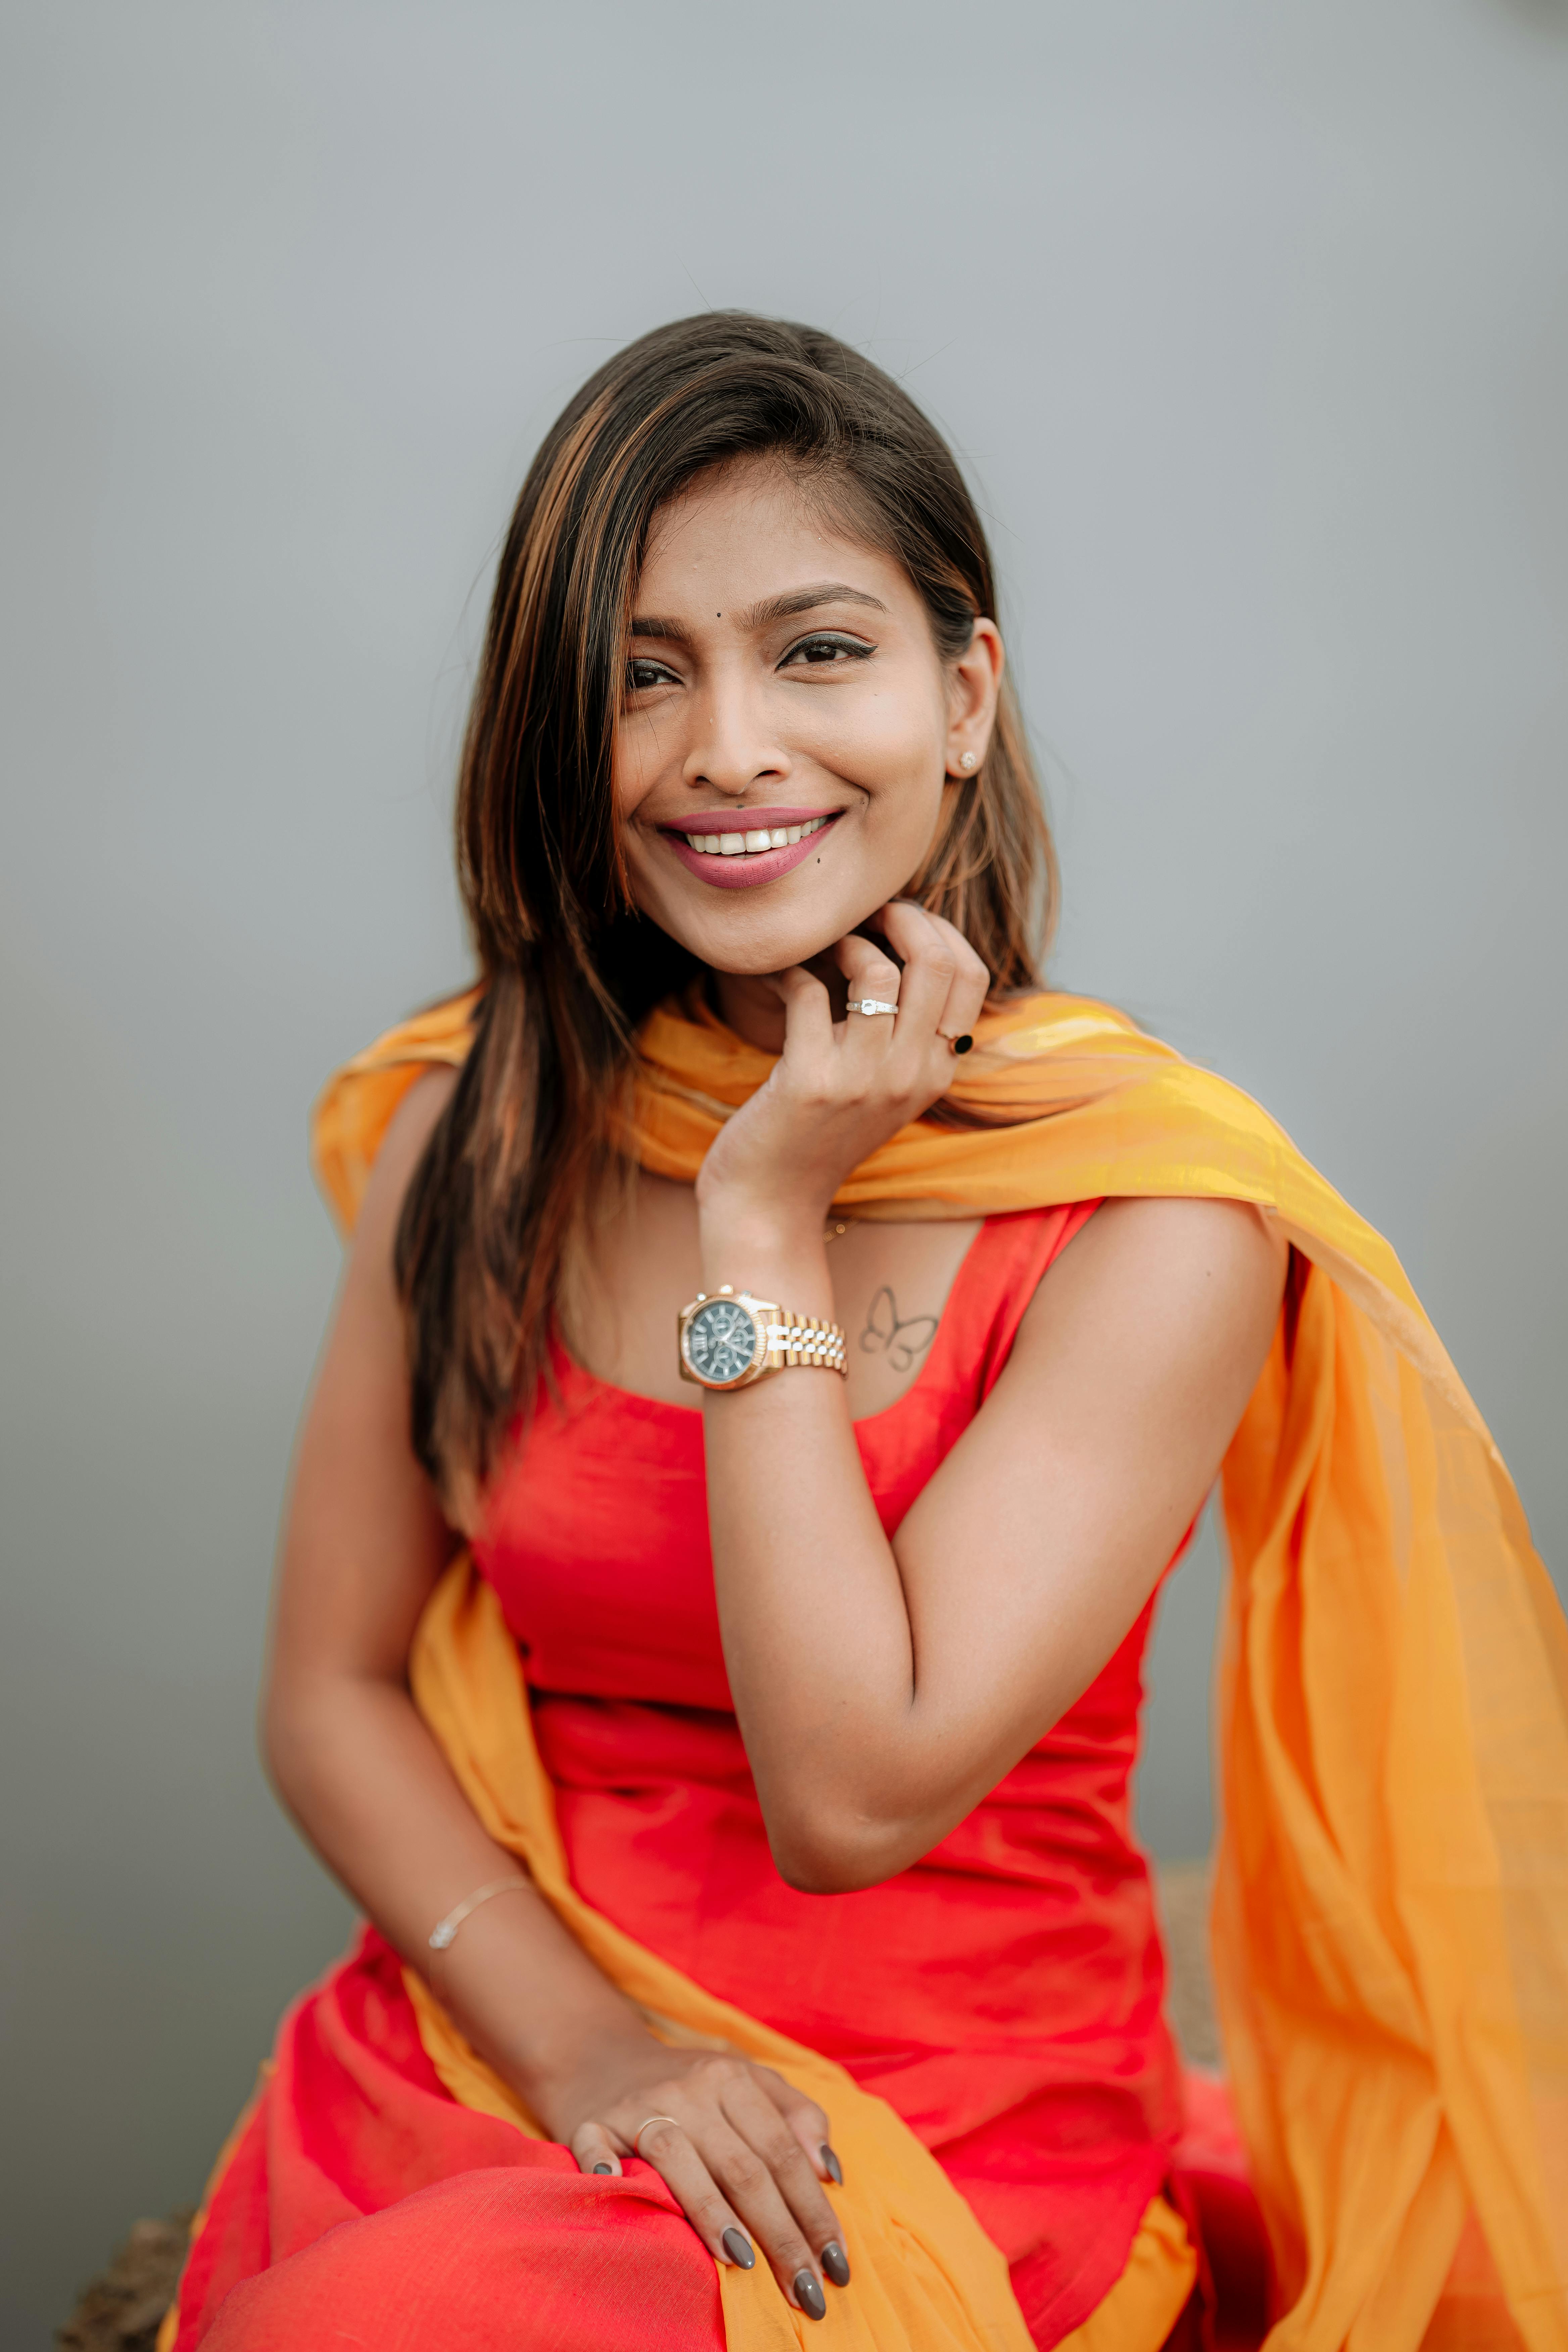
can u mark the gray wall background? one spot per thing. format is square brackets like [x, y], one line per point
[1251, 324]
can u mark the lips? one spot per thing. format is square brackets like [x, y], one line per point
[742, 847]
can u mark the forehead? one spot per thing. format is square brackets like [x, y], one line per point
[752, 531]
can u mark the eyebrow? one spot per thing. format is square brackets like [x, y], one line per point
[772, 608]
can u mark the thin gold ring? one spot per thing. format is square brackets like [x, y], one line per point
[636, 2136]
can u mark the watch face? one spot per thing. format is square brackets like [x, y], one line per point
[720, 1342]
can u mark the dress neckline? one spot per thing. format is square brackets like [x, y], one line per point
[569, 1371]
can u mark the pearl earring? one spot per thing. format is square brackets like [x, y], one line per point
[967, 763]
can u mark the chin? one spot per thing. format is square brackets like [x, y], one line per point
[749, 939]
[768, 947]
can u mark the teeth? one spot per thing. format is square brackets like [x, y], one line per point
[749, 845]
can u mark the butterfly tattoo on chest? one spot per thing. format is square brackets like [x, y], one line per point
[900, 1341]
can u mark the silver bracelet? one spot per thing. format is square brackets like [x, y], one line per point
[442, 1933]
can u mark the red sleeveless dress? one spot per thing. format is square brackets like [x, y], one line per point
[1004, 1995]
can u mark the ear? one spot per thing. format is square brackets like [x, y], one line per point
[976, 680]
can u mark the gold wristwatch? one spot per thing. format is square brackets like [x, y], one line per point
[729, 1340]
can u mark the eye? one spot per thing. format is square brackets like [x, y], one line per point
[642, 671]
[826, 649]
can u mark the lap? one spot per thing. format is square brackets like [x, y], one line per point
[357, 2203]
[582, 2264]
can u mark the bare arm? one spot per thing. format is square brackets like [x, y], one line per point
[884, 1688]
[364, 1542]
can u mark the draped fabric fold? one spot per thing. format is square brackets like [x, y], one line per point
[927, 2279]
[1391, 1916]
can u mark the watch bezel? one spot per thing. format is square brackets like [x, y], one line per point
[756, 1309]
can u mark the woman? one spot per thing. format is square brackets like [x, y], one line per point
[820, 1403]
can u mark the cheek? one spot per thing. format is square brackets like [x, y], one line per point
[891, 740]
[631, 769]
[900, 760]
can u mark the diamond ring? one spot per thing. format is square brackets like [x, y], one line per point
[869, 1004]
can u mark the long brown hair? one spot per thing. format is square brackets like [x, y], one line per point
[569, 966]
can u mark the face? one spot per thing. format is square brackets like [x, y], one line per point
[791, 737]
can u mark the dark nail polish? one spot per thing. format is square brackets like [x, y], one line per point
[738, 2246]
[809, 2295]
[835, 2263]
[604, 2168]
[835, 2170]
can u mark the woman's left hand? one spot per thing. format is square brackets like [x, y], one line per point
[840, 1088]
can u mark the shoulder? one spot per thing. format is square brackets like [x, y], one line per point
[1211, 1241]
[401, 1147]
[352, 1115]
[1179, 1282]
[409, 1130]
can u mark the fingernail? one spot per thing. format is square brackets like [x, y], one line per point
[835, 2170]
[835, 2263]
[738, 2246]
[604, 2168]
[809, 2295]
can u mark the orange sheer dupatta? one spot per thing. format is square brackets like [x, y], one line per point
[927, 2279]
[1391, 1913]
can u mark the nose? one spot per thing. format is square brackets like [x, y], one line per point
[732, 746]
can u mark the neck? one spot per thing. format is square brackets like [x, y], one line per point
[748, 1004]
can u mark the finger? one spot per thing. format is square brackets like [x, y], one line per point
[873, 977]
[933, 953]
[749, 2183]
[594, 2149]
[808, 1010]
[929, 960]
[809, 2122]
[765, 2132]
[866, 966]
[968, 961]
[970, 983]
[668, 2149]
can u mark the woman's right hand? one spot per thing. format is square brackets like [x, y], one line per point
[744, 2153]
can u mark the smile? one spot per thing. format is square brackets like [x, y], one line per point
[735, 856]
[752, 845]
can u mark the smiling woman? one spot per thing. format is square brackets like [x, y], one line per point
[737, 1789]
[852, 724]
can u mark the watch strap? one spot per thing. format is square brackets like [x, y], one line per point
[804, 1340]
